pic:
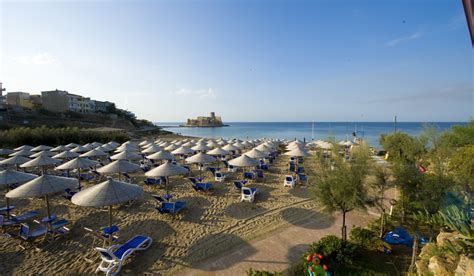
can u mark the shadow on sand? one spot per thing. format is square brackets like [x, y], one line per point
[307, 218]
[213, 245]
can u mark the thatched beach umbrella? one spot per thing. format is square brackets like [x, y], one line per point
[230, 147]
[152, 149]
[188, 144]
[171, 147]
[201, 158]
[6, 151]
[126, 155]
[43, 186]
[161, 155]
[244, 161]
[77, 163]
[97, 153]
[255, 153]
[22, 152]
[297, 152]
[72, 145]
[200, 147]
[59, 149]
[119, 166]
[15, 160]
[166, 170]
[41, 148]
[42, 153]
[218, 152]
[264, 148]
[41, 162]
[66, 155]
[79, 149]
[10, 177]
[27, 147]
[107, 193]
[182, 151]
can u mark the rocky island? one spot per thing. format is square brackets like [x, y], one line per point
[203, 121]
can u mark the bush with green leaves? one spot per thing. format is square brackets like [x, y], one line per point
[335, 251]
[252, 272]
[56, 136]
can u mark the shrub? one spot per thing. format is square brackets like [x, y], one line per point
[336, 253]
[56, 136]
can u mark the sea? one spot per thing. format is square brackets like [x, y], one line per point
[369, 131]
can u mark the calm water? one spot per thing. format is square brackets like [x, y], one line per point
[370, 131]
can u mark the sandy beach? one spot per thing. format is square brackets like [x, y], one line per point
[212, 225]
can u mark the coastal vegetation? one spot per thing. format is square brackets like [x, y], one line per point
[432, 172]
[57, 136]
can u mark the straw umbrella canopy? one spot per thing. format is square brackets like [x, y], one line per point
[107, 193]
[182, 151]
[119, 166]
[244, 161]
[171, 147]
[96, 144]
[42, 162]
[15, 160]
[200, 147]
[201, 158]
[161, 155]
[10, 177]
[127, 147]
[66, 155]
[94, 153]
[218, 152]
[144, 143]
[239, 145]
[79, 149]
[72, 145]
[264, 148]
[152, 149]
[6, 151]
[325, 145]
[41, 148]
[43, 186]
[188, 144]
[127, 155]
[22, 152]
[230, 147]
[27, 147]
[255, 153]
[42, 153]
[167, 169]
[59, 149]
[297, 152]
[77, 163]
[113, 144]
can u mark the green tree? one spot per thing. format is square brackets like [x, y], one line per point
[402, 147]
[341, 187]
[380, 184]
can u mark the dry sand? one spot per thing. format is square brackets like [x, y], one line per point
[211, 224]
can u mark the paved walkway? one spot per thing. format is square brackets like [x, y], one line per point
[277, 252]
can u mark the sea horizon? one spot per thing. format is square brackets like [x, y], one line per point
[369, 131]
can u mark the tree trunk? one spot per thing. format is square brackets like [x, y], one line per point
[382, 223]
[343, 229]
[414, 254]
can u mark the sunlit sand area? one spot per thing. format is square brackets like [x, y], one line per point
[212, 223]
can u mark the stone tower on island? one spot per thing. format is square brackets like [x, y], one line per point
[201, 121]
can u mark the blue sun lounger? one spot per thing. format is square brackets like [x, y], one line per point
[171, 207]
[204, 187]
[17, 219]
[152, 181]
[114, 256]
[58, 227]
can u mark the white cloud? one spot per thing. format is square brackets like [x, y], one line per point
[38, 59]
[203, 93]
[403, 39]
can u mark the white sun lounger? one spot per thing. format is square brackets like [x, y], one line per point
[114, 256]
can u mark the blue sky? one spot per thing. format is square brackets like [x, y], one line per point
[247, 60]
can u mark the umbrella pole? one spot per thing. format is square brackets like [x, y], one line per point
[49, 212]
[8, 202]
[110, 223]
[79, 178]
[118, 176]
